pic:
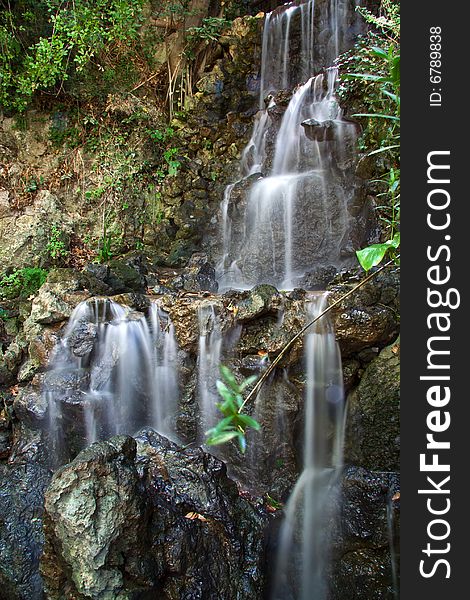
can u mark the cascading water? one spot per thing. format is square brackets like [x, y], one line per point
[210, 347]
[304, 548]
[297, 218]
[113, 371]
[213, 344]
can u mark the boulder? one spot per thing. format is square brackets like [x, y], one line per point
[25, 235]
[165, 522]
[369, 317]
[373, 424]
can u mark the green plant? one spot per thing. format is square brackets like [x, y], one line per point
[71, 35]
[232, 393]
[104, 252]
[235, 422]
[173, 163]
[56, 245]
[22, 283]
[386, 89]
[210, 29]
[33, 184]
[371, 256]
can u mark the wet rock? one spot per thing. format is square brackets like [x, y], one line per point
[367, 548]
[226, 525]
[262, 299]
[199, 276]
[29, 445]
[123, 276]
[318, 278]
[94, 525]
[117, 526]
[41, 347]
[320, 131]
[56, 298]
[5, 431]
[116, 277]
[267, 335]
[82, 338]
[369, 317]
[373, 425]
[30, 406]
[21, 536]
[10, 359]
[271, 464]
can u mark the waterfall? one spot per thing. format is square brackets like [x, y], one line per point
[291, 214]
[210, 347]
[113, 371]
[311, 511]
[213, 346]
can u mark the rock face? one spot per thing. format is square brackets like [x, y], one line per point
[373, 426]
[164, 523]
[21, 536]
[369, 317]
[366, 551]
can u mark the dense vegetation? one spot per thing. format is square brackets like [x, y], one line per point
[371, 71]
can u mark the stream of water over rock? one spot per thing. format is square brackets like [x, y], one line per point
[116, 370]
[311, 512]
[113, 371]
[295, 215]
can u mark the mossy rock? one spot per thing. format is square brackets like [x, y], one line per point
[373, 426]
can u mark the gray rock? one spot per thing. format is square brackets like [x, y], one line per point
[168, 524]
[320, 131]
[94, 525]
[373, 425]
[21, 536]
[262, 299]
[82, 338]
[369, 317]
[30, 406]
[367, 543]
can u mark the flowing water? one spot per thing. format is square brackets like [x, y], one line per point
[311, 511]
[116, 370]
[113, 371]
[295, 215]
[213, 348]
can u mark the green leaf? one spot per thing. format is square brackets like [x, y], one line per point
[379, 150]
[227, 408]
[394, 97]
[378, 115]
[221, 426]
[247, 382]
[223, 390]
[366, 77]
[380, 52]
[373, 255]
[249, 422]
[229, 378]
[222, 438]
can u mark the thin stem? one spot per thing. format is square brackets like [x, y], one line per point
[292, 341]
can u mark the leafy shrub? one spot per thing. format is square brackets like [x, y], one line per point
[73, 32]
[22, 283]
